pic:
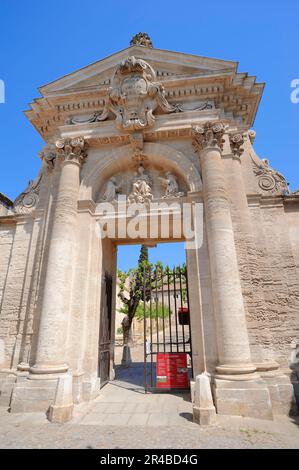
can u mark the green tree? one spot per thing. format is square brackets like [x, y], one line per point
[131, 292]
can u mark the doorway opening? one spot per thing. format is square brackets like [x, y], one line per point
[157, 355]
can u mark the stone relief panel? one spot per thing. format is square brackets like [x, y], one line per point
[143, 184]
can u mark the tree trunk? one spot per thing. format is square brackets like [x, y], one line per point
[127, 331]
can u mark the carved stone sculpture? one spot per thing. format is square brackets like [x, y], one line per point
[141, 187]
[136, 94]
[172, 187]
[141, 39]
[111, 190]
[269, 180]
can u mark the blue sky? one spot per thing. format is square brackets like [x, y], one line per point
[44, 40]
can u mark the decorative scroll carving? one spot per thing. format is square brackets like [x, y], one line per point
[171, 186]
[111, 190]
[141, 39]
[270, 181]
[72, 149]
[236, 142]
[141, 187]
[134, 96]
[209, 135]
[27, 201]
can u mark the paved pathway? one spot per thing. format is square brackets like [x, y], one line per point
[123, 417]
[124, 403]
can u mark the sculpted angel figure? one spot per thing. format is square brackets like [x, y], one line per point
[111, 190]
[171, 186]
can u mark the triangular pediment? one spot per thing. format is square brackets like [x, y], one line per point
[165, 63]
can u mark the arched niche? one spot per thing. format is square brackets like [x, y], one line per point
[159, 158]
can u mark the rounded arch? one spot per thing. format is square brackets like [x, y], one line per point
[118, 159]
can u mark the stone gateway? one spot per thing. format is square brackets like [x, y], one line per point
[149, 125]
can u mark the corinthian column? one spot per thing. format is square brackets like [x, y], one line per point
[51, 348]
[233, 343]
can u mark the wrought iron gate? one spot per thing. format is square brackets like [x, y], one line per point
[105, 331]
[167, 329]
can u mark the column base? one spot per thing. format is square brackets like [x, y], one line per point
[33, 395]
[247, 398]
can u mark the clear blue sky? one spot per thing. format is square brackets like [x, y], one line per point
[42, 40]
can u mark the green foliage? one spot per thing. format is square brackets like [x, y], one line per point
[157, 311]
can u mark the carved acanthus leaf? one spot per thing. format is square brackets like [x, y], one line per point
[270, 181]
[209, 135]
[72, 149]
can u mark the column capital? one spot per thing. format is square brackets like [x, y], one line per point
[236, 142]
[72, 150]
[209, 135]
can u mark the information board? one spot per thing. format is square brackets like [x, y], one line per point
[172, 371]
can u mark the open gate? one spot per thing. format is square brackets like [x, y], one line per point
[167, 330]
[105, 331]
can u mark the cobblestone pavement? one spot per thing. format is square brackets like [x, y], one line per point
[123, 416]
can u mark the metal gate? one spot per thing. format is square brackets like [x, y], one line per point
[167, 329]
[105, 331]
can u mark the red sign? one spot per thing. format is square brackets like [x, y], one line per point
[172, 370]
